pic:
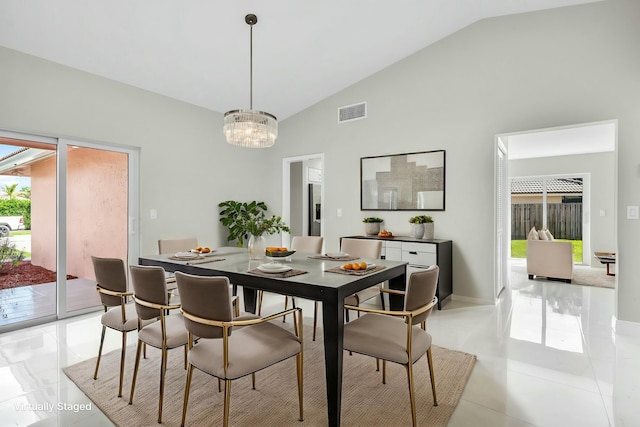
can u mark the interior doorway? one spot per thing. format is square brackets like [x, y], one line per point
[303, 195]
[586, 150]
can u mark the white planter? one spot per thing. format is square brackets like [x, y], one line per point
[417, 230]
[371, 228]
[428, 231]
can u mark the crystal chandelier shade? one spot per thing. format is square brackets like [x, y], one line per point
[250, 128]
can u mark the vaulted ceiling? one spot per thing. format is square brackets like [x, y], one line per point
[197, 51]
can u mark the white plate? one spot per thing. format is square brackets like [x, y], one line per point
[337, 255]
[193, 251]
[369, 267]
[273, 268]
[187, 255]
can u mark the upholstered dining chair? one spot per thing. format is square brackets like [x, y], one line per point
[230, 349]
[310, 245]
[171, 246]
[119, 314]
[399, 336]
[364, 249]
[168, 332]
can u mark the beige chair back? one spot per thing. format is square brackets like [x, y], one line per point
[362, 248]
[307, 244]
[208, 297]
[110, 274]
[171, 246]
[420, 291]
[149, 284]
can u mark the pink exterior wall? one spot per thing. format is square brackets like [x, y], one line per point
[97, 193]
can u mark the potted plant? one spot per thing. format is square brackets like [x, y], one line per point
[421, 226]
[236, 215]
[249, 221]
[372, 225]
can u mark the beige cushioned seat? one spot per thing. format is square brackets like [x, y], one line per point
[385, 337]
[176, 333]
[250, 349]
[113, 318]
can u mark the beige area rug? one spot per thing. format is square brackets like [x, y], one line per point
[365, 400]
[582, 275]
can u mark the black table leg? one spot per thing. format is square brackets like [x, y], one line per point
[333, 322]
[399, 283]
[250, 297]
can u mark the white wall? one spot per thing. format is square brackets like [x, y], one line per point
[186, 167]
[529, 71]
[537, 70]
[600, 167]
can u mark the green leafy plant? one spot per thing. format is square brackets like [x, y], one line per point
[372, 219]
[420, 219]
[261, 224]
[244, 218]
[9, 255]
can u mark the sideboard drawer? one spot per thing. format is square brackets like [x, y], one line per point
[419, 247]
[419, 258]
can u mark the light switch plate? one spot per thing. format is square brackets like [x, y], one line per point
[153, 214]
[633, 212]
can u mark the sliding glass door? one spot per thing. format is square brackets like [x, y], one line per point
[75, 199]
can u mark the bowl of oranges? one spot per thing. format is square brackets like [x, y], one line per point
[274, 252]
[357, 266]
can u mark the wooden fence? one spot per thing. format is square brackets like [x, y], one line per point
[564, 220]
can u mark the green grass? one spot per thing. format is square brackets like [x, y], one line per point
[519, 249]
[19, 233]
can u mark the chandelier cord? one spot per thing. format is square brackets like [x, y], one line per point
[251, 66]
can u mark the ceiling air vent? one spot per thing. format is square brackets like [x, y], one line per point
[352, 112]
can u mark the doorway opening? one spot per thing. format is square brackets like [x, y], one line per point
[583, 151]
[303, 195]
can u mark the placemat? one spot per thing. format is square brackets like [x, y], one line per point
[196, 260]
[356, 272]
[331, 258]
[283, 274]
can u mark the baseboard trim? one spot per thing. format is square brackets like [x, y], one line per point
[471, 300]
[624, 327]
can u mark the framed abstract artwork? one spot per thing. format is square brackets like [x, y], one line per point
[409, 182]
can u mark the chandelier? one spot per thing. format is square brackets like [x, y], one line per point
[250, 128]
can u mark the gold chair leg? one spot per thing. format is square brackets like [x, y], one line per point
[122, 357]
[236, 307]
[186, 351]
[135, 372]
[384, 371]
[163, 371]
[377, 365]
[412, 396]
[219, 385]
[186, 393]
[253, 380]
[227, 398]
[286, 304]
[432, 376]
[260, 303]
[95, 374]
[144, 350]
[299, 371]
[315, 319]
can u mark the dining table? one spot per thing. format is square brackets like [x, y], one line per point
[318, 278]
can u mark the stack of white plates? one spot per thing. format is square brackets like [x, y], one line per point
[273, 267]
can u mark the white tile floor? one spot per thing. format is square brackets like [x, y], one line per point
[546, 357]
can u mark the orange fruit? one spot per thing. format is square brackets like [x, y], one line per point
[356, 266]
[282, 249]
[348, 266]
[205, 250]
[199, 248]
[363, 265]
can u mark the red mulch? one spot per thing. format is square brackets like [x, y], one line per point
[25, 274]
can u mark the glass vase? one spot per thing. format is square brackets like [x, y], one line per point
[257, 246]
